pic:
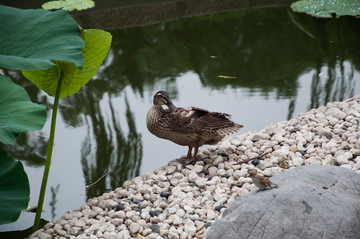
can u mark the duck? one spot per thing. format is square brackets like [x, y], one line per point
[188, 126]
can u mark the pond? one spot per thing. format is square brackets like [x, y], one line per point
[261, 65]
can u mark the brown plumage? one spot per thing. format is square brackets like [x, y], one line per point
[190, 126]
[260, 181]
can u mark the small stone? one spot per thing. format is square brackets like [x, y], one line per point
[156, 189]
[170, 169]
[43, 235]
[218, 160]
[255, 161]
[192, 177]
[57, 227]
[165, 194]
[61, 232]
[177, 220]
[212, 171]
[162, 216]
[342, 159]
[301, 152]
[124, 234]
[152, 213]
[190, 231]
[117, 221]
[74, 230]
[130, 214]
[297, 161]
[201, 182]
[174, 209]
[146, 232]
[120, 214]
[211, 215]
[235, 142]
[134, 227]
[218, 208]
[180, 213]
[155, 228]
[226, 175]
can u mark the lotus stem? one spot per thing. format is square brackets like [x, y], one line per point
[48, 158]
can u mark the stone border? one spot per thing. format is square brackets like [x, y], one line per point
[182, 202]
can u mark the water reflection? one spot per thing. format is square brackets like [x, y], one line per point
[54, 192]
[332, 83]
[106, 147]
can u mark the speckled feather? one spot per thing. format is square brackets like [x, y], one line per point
[190, 126]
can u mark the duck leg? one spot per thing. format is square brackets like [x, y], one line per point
[188, 157]
[193, 160]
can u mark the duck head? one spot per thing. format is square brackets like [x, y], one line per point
[162, 98]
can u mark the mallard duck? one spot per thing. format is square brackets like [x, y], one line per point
[190, 126]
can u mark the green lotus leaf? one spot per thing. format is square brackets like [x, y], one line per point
[31, 39]
[14, 188]
[97, 45]
[18, 113]
[321, 8]
[69, 5]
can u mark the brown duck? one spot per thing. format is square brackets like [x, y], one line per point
[190, 126]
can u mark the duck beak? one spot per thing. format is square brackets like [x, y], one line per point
[172, 107]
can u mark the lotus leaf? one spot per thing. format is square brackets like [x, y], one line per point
[321, 8]
[97, 44]
[14, 188]
[18, 113]
[70, 5]
[31, 39]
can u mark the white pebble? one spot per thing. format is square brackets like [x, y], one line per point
[342, 159]
[134, 227]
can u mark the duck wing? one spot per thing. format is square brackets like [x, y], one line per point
[193, 119]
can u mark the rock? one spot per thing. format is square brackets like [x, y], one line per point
[125, 234]
[43, 235]
[180, 213]
[342, 159]
[165, 194]
[306, 195]
[260, 136]
[336, 113]
[212, 171]
[201, 182]
[192, 177]
[155, 228]
[117, 221]
[211, 215]
[297, 161]
[134, 227]
[170, 169]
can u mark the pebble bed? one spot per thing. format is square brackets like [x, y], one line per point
[182, 202]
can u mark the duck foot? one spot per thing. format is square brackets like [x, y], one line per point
[185, 161]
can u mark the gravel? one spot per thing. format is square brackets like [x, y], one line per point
[181, 202]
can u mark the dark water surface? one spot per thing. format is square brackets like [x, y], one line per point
[260, 65]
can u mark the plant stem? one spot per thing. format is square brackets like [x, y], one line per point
[48, 158]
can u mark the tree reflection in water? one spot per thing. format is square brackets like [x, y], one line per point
[107, 148]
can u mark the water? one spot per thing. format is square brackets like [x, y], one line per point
[259, 65]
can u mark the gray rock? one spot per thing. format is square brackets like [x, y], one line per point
[311, 202]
